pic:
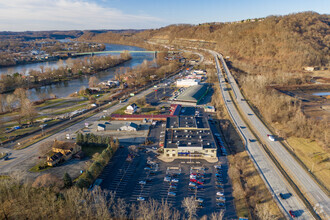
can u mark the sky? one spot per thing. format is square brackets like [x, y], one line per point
[35, 15]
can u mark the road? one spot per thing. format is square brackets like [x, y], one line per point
[22, 160]
[308, 185]
[272, 177]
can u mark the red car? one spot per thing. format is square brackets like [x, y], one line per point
[193, 180]
[200, 183]
[292, 214]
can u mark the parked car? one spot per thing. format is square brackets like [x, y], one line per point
[200, 200]
[175, 180]
[171, 194]
[173, 187]
[167, 179]
[220, 194]
[142, 182]
[221, 198]
[200, 187]
[141, 198]
[220, 204]
[192, 184]
[192, 188]
[292, 214]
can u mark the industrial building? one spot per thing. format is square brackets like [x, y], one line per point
[192, 95]
[187, 82]
[189, 137]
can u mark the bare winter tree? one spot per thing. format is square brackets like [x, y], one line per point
[190, 206]
[45, 148]
[10, 99]
[217, 215]
[93, 81]
[28, 111]
[120, 209]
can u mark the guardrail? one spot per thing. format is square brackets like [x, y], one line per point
[277, 164]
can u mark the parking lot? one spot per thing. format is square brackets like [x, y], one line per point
[146, 177]
[139, 180]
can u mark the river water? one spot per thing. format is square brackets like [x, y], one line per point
[66, 88]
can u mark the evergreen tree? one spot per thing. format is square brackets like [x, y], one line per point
[67, 180]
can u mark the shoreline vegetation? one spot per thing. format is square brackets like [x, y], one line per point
[72, 69]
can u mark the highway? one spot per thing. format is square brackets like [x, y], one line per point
[304, 181]
[271, 175]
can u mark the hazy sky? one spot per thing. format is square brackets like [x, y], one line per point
[21, 15]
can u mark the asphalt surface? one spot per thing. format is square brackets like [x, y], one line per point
[272, 177]
[301, 177]
[123, 177]
[22, 160]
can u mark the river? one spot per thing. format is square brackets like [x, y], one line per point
[66, 88]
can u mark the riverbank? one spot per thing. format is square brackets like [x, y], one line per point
[62, 74]
[49, 59]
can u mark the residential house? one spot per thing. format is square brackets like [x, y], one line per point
[62, 151]
[131, 109]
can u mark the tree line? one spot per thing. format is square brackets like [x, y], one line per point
[288, 42]
[72, 68]
[26, 201]
[20, 102]
[99, 161]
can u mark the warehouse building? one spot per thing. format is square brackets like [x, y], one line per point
[187, 82]
[189, 137]
[192, 95]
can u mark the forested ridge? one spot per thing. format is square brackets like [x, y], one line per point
[288, 42]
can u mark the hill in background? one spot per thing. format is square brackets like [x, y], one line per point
[288, 42]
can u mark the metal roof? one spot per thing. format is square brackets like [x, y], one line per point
[193, 93]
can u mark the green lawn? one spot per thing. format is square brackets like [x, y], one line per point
[74, 108]
[35, 168]
[91, 150]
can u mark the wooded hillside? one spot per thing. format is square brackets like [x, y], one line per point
[278, 42]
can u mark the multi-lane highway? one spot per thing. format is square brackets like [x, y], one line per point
[272, 177]
[307, 184]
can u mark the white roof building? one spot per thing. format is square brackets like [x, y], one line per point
[187, 82]
[129, 127]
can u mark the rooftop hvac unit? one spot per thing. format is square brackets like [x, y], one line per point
[208, 143]
[200, 137]
[170, 142]
[189, 143]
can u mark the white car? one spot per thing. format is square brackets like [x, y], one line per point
[140, 198]
[199, 200]
[142, 182]
[167, 179]
[221, 198]
[192, 184]
[175, 180]
[220, 194]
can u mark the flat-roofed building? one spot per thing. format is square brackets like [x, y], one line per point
[192, 95]
[189, 137]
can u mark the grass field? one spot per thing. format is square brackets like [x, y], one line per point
[313, 156]
[91, 150]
